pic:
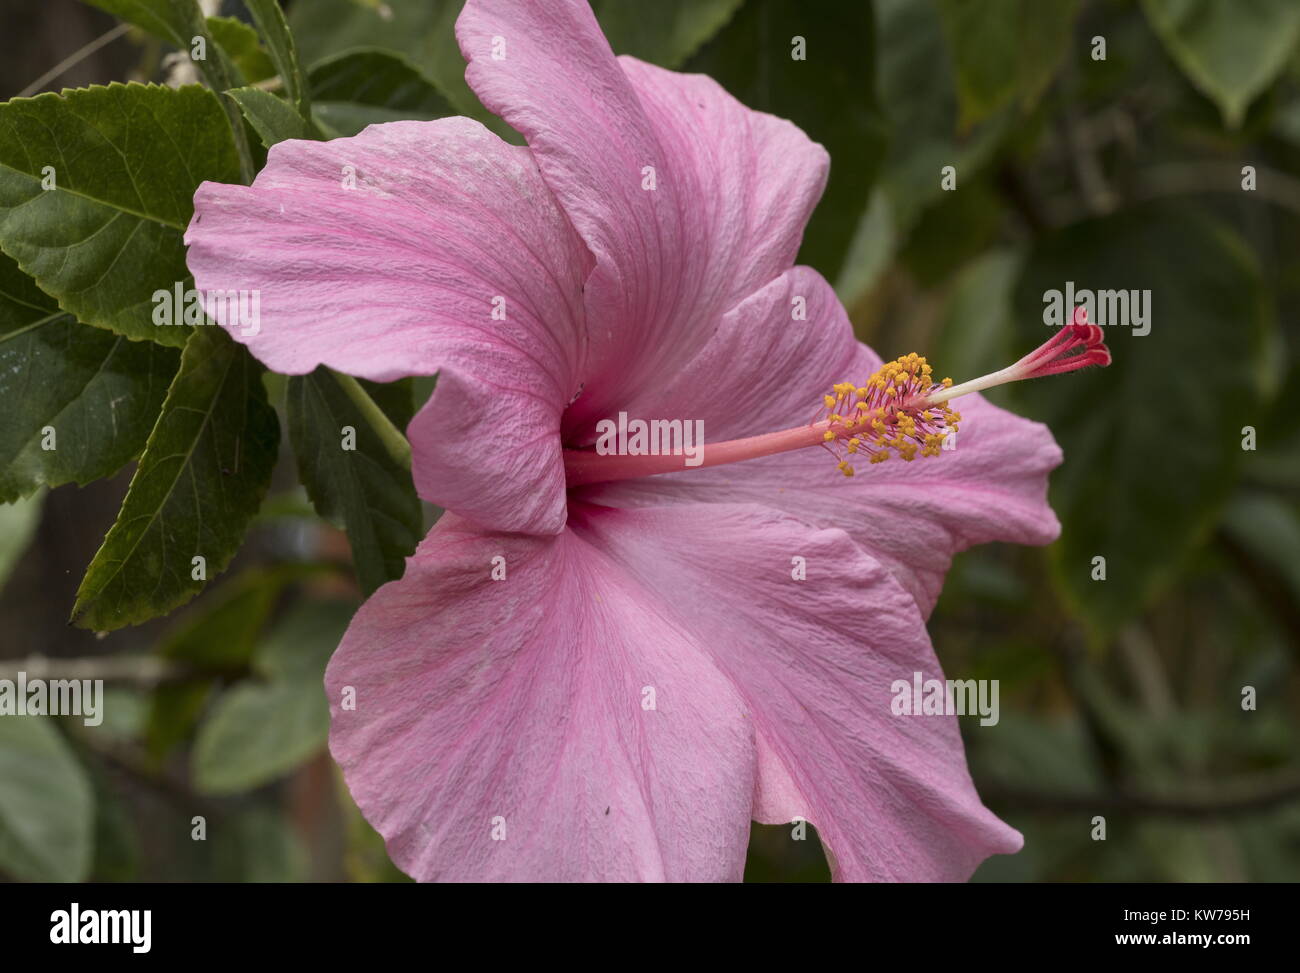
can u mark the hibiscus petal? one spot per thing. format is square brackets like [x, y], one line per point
[767, 364]
[521, 700]
[398, 276]
[732, 190]
[519, 703]
[763, 371]
[815, 662]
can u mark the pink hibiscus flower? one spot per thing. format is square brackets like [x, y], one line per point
[590, 671]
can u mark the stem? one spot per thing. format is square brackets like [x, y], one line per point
[73, 59]
[395, 444]
[220, 78]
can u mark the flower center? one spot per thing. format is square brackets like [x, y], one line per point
[900, 410]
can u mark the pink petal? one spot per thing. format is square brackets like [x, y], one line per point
[521, 700]
[815, 661]
[733, 187]
[397, 277]
[763, 371]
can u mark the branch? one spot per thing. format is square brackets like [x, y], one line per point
[72, 60]
[145, 670]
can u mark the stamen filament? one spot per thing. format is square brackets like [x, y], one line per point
[582, 466]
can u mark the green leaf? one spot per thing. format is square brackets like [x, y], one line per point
[423, 30]
[1229, 50]
[279, 41]
[665, 33]
[203, 473]
[830, 95]
[257, 732]
[216, 637]
[117, 848]
[1005, 50]
[272, 118]
[221, 631]
[98, 392]
[126, 160]
[1276, 459]
[175, 708]
[1180, 393]
[1269, 530]
[18, 523]
[176, 21]
[241, 44]
[300, 646]
[975, 333]
[47, 808]
[363, 490]
[260, 844]
[955, 229]
[918, 95]
[179, 22]
[360, 88]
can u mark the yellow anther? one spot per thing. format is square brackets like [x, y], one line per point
[890, 414]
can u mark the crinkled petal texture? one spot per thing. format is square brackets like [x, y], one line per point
[633, 690]
[412, 249]
[912, 517]
[688, 200]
